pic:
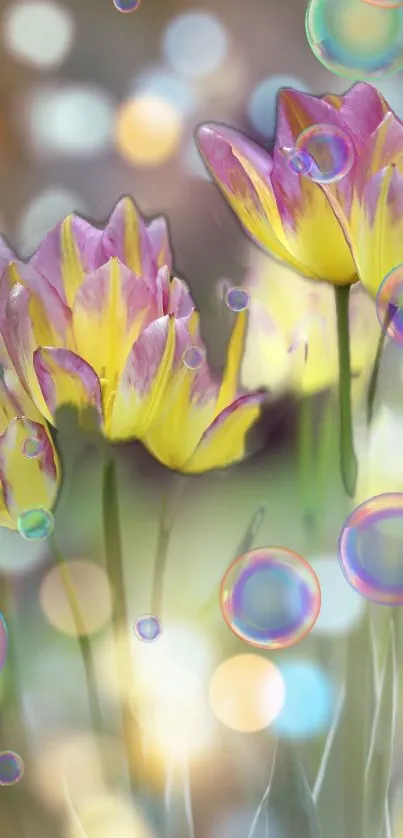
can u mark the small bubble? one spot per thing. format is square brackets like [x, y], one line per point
[194, 357]
[147, 628]
[299, 161]
[31, 447]
[237, 299]
[11, 768]
[126, 5]
[35, 524]
[330, 151]
[389, 305]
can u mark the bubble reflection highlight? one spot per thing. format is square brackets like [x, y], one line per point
[355, 39]
[389, 305]
[11, 768]
[330, 151]
[270, 597]
[370, 549]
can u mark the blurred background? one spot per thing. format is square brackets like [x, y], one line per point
[95, 104]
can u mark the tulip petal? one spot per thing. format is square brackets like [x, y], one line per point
[157, 233]
[238, 167]
[181, 303]
[27, 482]
[51, 318]
[14, 401]
[125, 236]
[146, 375]
[224, 442]
[230, 379]
[19, 337]
[110, 309]
[66, 254]
[65, 378]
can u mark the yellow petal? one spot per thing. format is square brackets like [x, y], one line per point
[230, 379]
[65, 378]
[71, 267]
[224, 443]
[28, 482]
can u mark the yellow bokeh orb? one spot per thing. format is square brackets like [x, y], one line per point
[246, 693]
[148, 130]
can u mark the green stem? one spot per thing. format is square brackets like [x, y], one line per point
[348, 461]
[124, 664]
[377, 363]
[82, 636]
[167, 518]
[324, 457]
[355, 729]
[305, 461]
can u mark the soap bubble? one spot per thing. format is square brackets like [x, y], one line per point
[147, 628]
[35, 524]
[11, 768]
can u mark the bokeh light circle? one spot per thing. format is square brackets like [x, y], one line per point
[194, 43]
[270, 597]
[89, 584]
[237, 299]
[148, 130]
[3, 641]
[194, 357]
[341, 607]
[389, 305]
[246, 693]
[11, 768]
[370, 549]
[35, 524]
[330, 150]
[126, 5]
[147, 628]
[262, 105]
[38, 33]
[355, 39]
[309, 700]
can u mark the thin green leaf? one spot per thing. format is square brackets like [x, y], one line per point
[290, 797]
[245, 544]
[379, 761]
[263, 805]
[327, 751]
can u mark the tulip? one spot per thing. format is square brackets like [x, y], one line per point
[26, 482]
[291, 216]
[94, 319]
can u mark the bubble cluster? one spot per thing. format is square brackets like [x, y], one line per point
[35, 524]
[3, 641]
[370, 549]
[193, 357]
[329, 150]
[237, 299]
[389, 305]
[147, 628]
[270, 597]
[126, 5]
[354, 38]
[11, 768]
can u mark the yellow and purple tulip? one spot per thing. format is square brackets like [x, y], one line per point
[94, 318]
[288, 215]
[26, 482]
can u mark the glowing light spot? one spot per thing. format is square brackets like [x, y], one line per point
[38, 33]
[90, 587]
[43, 213]
[194, 44]
[148, 130]
[309, 701]
[246, 693]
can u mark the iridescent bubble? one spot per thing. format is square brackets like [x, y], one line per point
[370, 549]
[389, 305]
[35, 524]
[270, 597]
[385, 4]
[193, 357]
[3, 641]
[11, 768]
[126, 5]
[32, 447]
[147, 628]
[355, 39]
[237, 299]
[330, 150]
